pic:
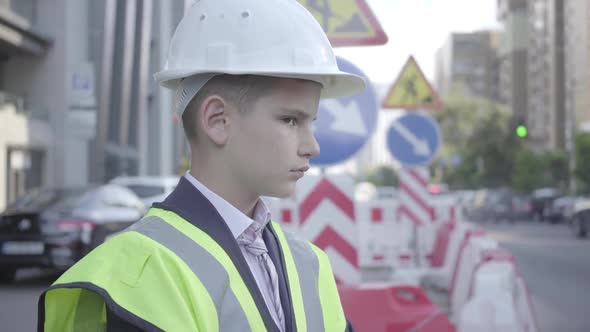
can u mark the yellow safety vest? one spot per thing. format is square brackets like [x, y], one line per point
[164, 273]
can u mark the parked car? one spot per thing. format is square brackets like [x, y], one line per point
[491, 205]
[498, 205]
[580, 220]
[561, 209]
[541, 200]
[521, 207]
[54, 228]
[150, 189]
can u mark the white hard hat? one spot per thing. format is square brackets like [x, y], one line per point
[278, 38]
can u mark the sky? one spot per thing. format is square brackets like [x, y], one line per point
[419, 28]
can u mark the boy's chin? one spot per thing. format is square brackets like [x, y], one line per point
[286, 192]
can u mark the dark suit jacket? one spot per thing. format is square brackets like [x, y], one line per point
[188, 202]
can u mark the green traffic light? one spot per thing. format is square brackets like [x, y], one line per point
[521, 131]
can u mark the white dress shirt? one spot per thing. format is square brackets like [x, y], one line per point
[239, 223]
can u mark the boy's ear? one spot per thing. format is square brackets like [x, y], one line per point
[214, 119]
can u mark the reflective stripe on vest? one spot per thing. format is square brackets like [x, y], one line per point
[312, 285]
[222, 272]
[230, 313]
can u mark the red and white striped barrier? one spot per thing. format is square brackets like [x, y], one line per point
[414, 199]
[468, 235]
[380, 238]
[415, 210]
[443, 235]
[327, 217]
[444, 214]
[440, 278]
[286, 212]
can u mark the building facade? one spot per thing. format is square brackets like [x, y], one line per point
[78, 102]
[577, 67]
[546, 74]
[546, 51]
[512, 56]
[469, 60]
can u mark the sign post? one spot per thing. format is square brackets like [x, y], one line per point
[414, 140]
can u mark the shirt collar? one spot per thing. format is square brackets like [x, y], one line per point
[237, 221]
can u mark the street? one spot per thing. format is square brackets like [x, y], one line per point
[18, 301]
[555, 264]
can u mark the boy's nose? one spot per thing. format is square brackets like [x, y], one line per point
[309, 146]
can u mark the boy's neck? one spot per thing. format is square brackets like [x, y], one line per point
[220, 186]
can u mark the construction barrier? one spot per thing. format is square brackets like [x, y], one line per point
[470, 259]
[468, 235]
[491, 308]
[440, 278]
[381, 240]
[327, 218]
[437, 256]
[393, 241]
[498, 298]
[392, 308]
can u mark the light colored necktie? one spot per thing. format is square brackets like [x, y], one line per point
[258, 249]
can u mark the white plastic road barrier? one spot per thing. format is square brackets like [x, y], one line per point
[524, 306]
[440, 278]
[426, 236]
[492, 308]
[470, 259]
[381, 240]
[469, 234]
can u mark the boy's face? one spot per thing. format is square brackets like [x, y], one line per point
[270, 145]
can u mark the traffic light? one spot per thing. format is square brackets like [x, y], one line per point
[520, 127]
[522, 131]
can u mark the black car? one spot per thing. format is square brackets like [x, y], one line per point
[54, 228]
[541, 202]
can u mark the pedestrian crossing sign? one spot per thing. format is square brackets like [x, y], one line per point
[412, 91]
[347, 22]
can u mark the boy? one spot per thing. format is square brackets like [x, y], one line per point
[248, 77]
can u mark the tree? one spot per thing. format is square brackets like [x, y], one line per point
[527, 171]
[538, 170]
[582, 169]
[480, 133]
[383, 176]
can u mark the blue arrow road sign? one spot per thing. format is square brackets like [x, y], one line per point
[344, 125]
[414, 139]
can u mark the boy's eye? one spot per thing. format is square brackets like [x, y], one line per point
[291, 121]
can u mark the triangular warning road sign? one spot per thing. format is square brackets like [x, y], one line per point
[411, 90]
[347, 22]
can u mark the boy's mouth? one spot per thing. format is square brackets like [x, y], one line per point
[301, 169]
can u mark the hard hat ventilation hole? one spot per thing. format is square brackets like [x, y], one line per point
[203, 17]
[245, 14]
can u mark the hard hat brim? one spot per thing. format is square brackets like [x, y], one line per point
[334, 84]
